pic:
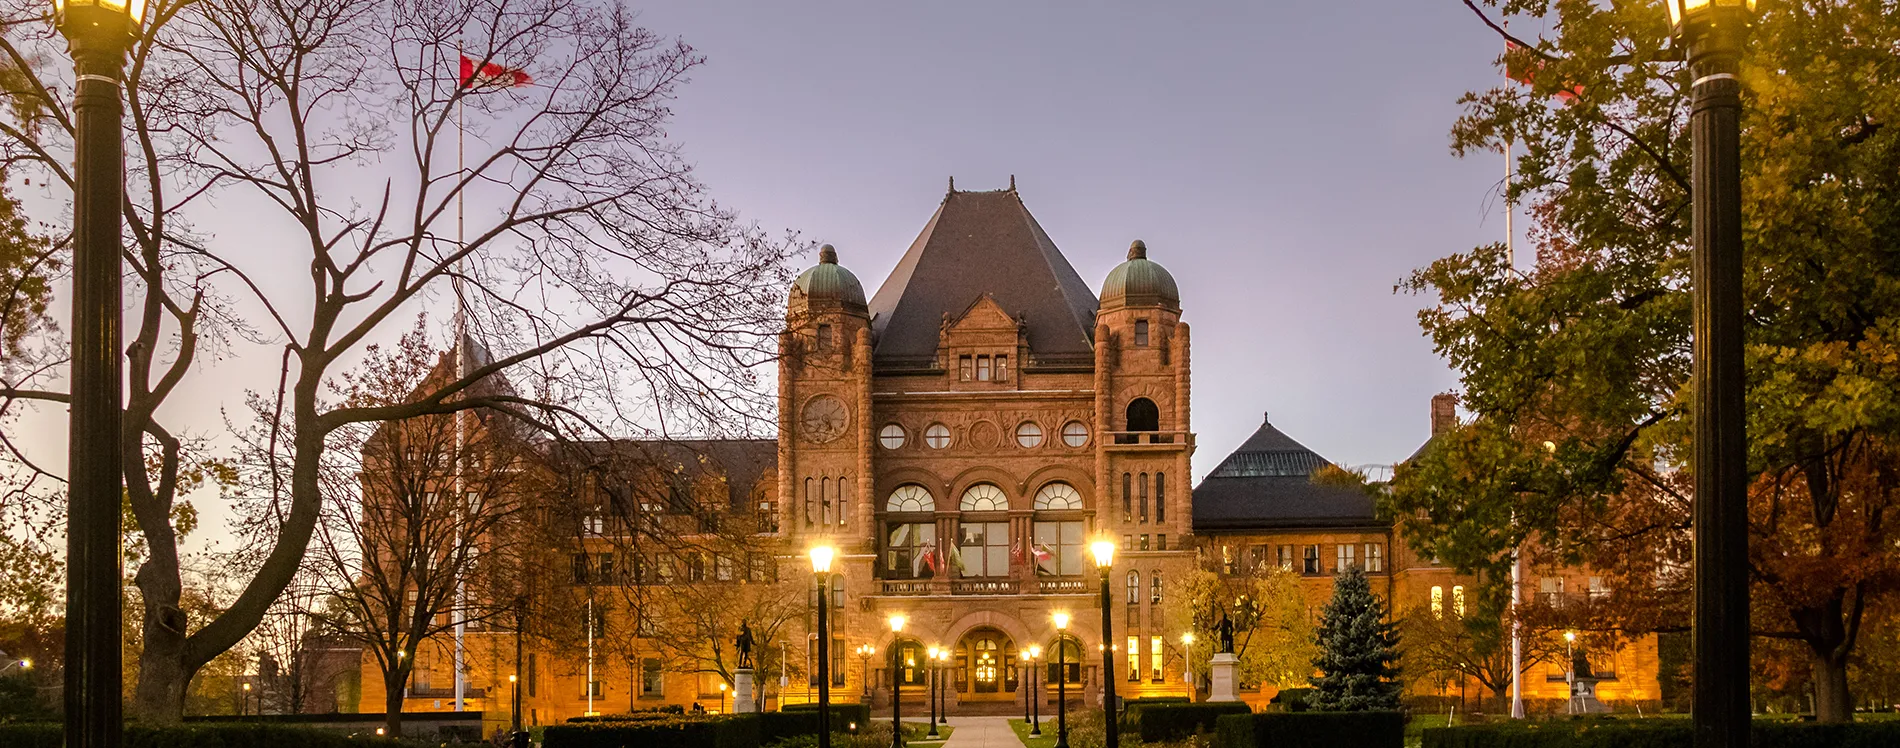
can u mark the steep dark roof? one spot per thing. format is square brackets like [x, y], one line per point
[1267, 484]
[742, 462]
[978, 243]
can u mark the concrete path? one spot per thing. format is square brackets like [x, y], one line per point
[982, 732]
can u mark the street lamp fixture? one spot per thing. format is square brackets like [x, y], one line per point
[1104, 551]
[943, 687]
[821, 571]
[897, 681]
[865, 652]
[1714, 31]
[98, 34]
[931, 656]
[1062, 680]
[244, 699]
[1187, 662]
[722, 698]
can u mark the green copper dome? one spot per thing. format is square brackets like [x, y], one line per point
[1140, 281]
[829, 280]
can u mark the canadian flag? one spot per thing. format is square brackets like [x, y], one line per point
[492, 75]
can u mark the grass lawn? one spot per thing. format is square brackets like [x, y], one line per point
[1047, 740]
[915, 735]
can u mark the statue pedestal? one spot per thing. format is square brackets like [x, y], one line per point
[1583, 697]
[743, 699]
[1221, 669]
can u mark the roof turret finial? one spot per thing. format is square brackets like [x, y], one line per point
[827, 255]
[1266, 416]
[1138, 250]
[1012, 183]
[953, 183]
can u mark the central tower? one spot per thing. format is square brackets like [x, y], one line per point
[967, 431]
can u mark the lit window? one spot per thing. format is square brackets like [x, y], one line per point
[1458, 601]
[1134, 658]
[1075, 434]
[1438, 602]
[1346, 559]
[891, 436]
[911, 552]
[1286, 558]
[1029, 435]
[652, 680]
[1375, 557]
[1597, 590]
[937, 436]
[1154, 658]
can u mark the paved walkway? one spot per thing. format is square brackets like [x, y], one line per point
[982, 732]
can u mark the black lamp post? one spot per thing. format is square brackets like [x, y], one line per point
[1033, 694]
[1714, 31]
[1062, 681]
[897, 682]
[99, 33]
[519, 737]
[932, 685]
[821, 571]
[1104, 551]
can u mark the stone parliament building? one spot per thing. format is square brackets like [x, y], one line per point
[960, 436]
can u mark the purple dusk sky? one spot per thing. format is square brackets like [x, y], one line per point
[1288, 162]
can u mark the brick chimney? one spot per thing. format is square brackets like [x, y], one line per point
[1444, 412]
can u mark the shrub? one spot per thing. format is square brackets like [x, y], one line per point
[1313, 730]
[1655, 733]
[1294, 699]
[1156, 722]
[841, 714]
[636, 715]
[233, 735]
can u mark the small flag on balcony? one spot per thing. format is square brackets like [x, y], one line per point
[492, 75]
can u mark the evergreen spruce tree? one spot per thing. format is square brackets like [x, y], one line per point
[1358, 660]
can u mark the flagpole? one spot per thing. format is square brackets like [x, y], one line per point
[1510, 254]
[461, 354]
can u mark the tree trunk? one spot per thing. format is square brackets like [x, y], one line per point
[1832, 702]
[159, 696]
[393, 682]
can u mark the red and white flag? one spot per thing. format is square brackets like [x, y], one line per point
[492, 75]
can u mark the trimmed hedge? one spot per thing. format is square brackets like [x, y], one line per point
[1168, 721]
[228, 735]
[1656, 733]
[841, 714]
[1294, 699]
[723, 731]
[1312, 730]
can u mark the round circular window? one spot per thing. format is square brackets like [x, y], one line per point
[1075, 434]
[937, 436]
[1029, 435]
[891, 436]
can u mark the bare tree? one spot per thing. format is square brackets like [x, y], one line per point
[589, 258]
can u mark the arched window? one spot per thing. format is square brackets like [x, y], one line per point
[1458, 601]
[1064, 660]
[1144, 498]
[1143, 415]
[911, 497]
[1057, 497]
[1057, 543]
[1134, 587]
[1161, 497]
[1438, 602]
[1154, 587]
[984, 497]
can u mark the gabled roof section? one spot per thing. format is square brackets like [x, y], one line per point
[1268, 483]
[983, 243]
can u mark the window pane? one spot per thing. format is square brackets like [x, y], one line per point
[1075, 434]
[891, 436]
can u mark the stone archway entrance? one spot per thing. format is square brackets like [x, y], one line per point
[984, 666]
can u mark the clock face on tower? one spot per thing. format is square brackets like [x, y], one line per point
[824, 419]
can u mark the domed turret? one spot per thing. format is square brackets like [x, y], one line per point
[828, 281]
[1140, 281]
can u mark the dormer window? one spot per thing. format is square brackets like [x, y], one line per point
[983, 367]
[1141, 332]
